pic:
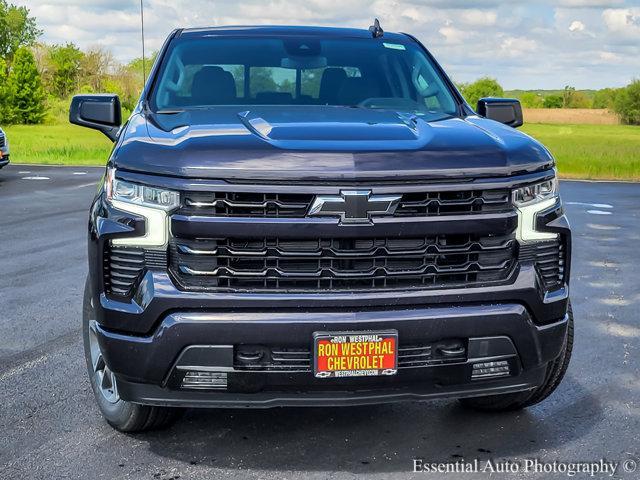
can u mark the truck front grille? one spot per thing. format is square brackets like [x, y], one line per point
[454, 203]
[2, 140]
[296, 205]
[342, 264]
[231, 204]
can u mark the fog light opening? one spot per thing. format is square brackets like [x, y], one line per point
[484, 370]
[195, 379]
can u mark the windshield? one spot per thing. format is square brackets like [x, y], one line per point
[204, 72]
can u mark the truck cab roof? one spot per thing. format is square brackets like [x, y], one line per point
[288, 30]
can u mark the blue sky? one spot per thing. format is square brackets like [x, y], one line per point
[544, 44]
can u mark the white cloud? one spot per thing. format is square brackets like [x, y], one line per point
[576, 26]
[589, 3]
[514, 47]
[623, 21]
[478, 18]
[453, 36]
[610, 57]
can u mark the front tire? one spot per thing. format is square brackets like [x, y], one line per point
[516, 401]
[120, 414]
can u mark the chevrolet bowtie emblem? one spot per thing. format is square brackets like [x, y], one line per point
[354, 206]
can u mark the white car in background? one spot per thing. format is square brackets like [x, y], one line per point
[4, 149]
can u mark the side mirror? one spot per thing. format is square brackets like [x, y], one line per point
[503, 110]
[100, 112]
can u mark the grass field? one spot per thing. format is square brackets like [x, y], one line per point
[582, 151]
[605, 152]
[63, 144]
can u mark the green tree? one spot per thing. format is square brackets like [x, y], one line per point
[566, 95]
[262, 80]
[310, 81]
[6, 110]
[65, 62]
[137, 66]
[574, 99]
[553, 101]
[238, 76]
[627, 103]
[25, 85]
[483, 87]
[531, 100]
[17, 29]
[579, 100]
[287, 86]
[126, 80]
[605, 98]
[96, 64]
[125, 85]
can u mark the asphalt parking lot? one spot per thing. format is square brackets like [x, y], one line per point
[50, 427]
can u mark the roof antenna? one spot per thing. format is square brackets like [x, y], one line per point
[376, 29]
[144, 66]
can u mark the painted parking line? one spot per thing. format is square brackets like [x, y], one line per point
[84, 185]
[592, 205]
[597, 226]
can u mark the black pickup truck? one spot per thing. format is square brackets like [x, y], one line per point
[4, 149]
[315, 216]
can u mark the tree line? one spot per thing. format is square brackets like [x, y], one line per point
[37, 80]
[623, 101]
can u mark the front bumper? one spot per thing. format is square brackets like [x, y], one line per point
[148, 368]
[148, 394]
[4, 161]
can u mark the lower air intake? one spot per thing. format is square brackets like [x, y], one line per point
[548, 258]
[123, 268]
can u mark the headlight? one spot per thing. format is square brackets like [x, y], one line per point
[149, 202]
[530, 200]
[536, 193]
[137, 194]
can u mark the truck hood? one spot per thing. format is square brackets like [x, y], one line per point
[322, 144]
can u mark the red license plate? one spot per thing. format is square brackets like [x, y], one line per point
[355, 354]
